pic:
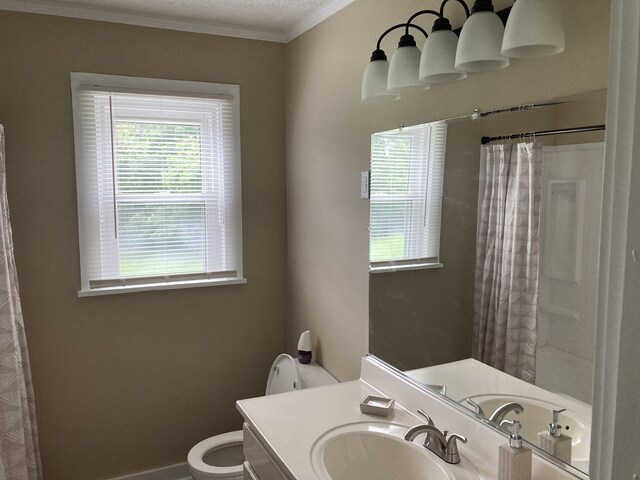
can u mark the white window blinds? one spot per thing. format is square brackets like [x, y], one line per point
[407, 169]
[158, 186]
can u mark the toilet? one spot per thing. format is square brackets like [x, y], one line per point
[221, 457]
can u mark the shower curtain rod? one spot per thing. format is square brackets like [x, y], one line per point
[477, 114]
[544, 133]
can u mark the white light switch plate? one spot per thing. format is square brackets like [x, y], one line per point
[364, 184]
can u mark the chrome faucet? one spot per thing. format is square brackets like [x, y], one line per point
[445, 447]
[501, 412]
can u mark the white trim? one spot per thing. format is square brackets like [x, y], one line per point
[104, 15]
[614, 433]
[209, 28]
[178, 471]
[314, 18]
[96, 292]
[400, 268]
[79, 80]
[156, 85]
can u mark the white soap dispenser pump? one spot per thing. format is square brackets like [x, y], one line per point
[514, 459]
[553, 441]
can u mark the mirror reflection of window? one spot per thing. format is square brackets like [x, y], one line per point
[422, 322]
[407, 170]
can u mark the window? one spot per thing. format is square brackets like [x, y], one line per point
[407, 169]
[158, 180]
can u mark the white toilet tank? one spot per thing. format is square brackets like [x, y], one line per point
[287, 375]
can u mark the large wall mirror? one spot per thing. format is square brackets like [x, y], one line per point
[486, 289]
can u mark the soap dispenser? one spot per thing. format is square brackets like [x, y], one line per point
[514, 459]
[554, 442]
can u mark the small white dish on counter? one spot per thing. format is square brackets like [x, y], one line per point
[374, 405]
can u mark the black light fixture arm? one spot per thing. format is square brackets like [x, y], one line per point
[461, 2]
[395, 27]
[417, 14]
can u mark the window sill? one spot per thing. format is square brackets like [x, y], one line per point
[94, 292]
[400, 268]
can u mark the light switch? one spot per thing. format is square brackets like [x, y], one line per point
[364, 184]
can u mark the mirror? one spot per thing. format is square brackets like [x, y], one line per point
[531, 314]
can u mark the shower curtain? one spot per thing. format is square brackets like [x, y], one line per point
[19, 453]
[507, 259]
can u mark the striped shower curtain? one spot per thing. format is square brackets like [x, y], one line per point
[505, 330]
[19, 453]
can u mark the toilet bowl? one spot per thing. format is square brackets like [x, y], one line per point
[221, 457]
[217, 457]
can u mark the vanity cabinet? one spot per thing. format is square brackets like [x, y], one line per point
[249, 473]
[258, 465]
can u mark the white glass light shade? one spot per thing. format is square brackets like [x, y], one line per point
[480, 44]
[437, 63]
[403, 70]
[374, 82]
[535, 28]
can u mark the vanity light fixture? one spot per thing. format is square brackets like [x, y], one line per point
[404, 66]
[535, 29]
[480, 44]
[374, 83]
[437, 63]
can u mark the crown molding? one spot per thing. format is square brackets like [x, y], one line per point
[103, 15]
[314, 18]
[194, 26]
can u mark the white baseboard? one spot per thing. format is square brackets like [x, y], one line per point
[179, 471]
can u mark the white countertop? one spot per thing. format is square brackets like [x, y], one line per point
[289, 424]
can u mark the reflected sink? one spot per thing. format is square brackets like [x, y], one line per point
[536, 418]
[378, 451]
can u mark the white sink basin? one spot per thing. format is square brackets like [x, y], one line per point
[378, 451]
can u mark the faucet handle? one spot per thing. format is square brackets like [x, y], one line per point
[476, 407]
[426, 416]
[451, 453]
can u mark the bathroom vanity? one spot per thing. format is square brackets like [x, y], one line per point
[321, 433]
[258, 464]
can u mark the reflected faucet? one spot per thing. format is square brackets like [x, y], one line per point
[501, 412]
[477, 408]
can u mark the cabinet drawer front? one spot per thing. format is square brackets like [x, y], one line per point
[259, 460]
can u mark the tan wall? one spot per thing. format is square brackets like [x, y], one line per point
[328, 135]
[129, 382]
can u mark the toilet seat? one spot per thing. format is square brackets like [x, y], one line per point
[196, 454]
[286, 374]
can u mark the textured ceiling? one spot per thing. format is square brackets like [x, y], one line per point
[284, 18]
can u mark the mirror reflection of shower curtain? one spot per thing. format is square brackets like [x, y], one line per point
[507, 259]
[19, 451]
